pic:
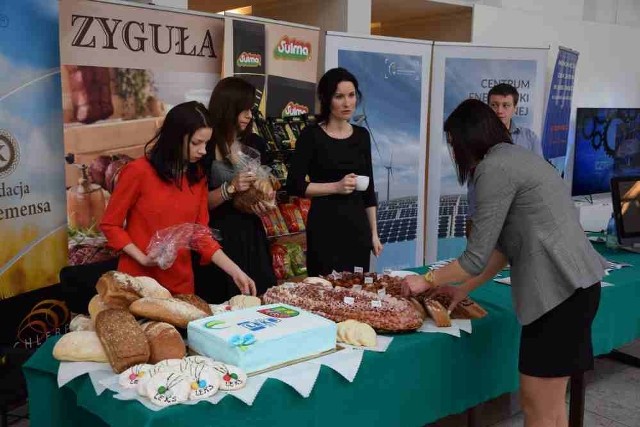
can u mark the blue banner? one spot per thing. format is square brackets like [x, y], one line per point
[556, 124]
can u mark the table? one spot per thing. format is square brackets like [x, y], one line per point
[421, 378]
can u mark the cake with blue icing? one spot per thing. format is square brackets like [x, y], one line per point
[261, 337]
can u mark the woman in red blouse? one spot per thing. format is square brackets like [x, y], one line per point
[167, 187]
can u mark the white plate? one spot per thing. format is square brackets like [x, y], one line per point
[403, 274]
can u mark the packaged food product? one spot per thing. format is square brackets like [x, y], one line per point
[292, 217]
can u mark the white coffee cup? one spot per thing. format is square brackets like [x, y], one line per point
[362, 182]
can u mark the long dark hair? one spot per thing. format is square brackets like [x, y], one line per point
[166, 150]
[230, 97]
[327, 87]
[472, 129]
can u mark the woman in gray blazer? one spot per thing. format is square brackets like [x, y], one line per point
[524, 216]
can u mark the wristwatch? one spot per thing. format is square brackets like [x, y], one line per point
[231, 189]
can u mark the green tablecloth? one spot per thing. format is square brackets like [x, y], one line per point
[421, 378]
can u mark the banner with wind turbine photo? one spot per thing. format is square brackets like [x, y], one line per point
[393, 75]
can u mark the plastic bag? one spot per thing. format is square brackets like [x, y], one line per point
[246, 159]
[165, 244]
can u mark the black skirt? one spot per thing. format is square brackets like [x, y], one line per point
[245, 242]
[558, 344]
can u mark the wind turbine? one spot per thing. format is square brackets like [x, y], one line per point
[389, 169]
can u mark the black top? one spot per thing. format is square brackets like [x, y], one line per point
[326, 159]
[338, 230]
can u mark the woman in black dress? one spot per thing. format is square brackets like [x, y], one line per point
[243, 236]
[341, 228]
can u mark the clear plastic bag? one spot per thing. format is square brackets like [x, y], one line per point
[165, 244]
[246, 159]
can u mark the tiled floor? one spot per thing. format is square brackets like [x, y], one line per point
[612, 400]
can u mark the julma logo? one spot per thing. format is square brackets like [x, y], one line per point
[291, 48]
[9, 153]
[294, 109]
[248, 59]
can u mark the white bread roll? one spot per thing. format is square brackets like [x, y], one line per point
[80, 346]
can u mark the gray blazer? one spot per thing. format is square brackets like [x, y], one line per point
[524, 209]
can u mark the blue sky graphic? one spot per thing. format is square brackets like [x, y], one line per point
[391, 87]
[30, 104]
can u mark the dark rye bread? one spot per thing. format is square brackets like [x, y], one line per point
[122, 339]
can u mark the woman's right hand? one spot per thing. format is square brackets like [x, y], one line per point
[147, 261]
[347, 184]
[456, 293]
[246, 285]
[243, 181]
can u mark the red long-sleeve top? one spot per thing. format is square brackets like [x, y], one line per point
[149, 204]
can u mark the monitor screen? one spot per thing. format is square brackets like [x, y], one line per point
[625, 194]
[607, 144]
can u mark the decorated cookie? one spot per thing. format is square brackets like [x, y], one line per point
[168, 388]
[231, 377]
[200, 359]
[169, 364]
[132, 376]
[204, 381]
[141, 387]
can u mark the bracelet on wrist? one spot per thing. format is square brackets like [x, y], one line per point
[223, 191]
[431, 277]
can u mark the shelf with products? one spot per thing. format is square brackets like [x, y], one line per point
[285, 226]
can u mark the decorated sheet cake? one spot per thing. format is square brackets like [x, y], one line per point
[261, 337]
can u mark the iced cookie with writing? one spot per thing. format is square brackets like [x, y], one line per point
[231, 377]
[169, 364]
[200, 359]
[141, 387]
[168, 388]
[132, 376]
[204, 381]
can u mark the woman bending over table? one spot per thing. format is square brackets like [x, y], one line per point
[524, 216]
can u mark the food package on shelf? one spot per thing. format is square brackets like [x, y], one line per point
[278, 222]
[297, 258]
[281, 262]
[268, 225]
[280, 135]
[303, 205]
[279, 170]
[292, 217]
[296, 124]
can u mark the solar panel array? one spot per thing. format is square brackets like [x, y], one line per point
[398, 219]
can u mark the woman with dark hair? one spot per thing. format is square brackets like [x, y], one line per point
[524, 215]
[243, 235]
[341, 226]
[167, 187]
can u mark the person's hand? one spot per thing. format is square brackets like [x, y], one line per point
[376, 245]
[243, 181]
[414, 285]
[262, 208]
[347, 184]
[246, 285]
[455, 293]
[147, 261]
